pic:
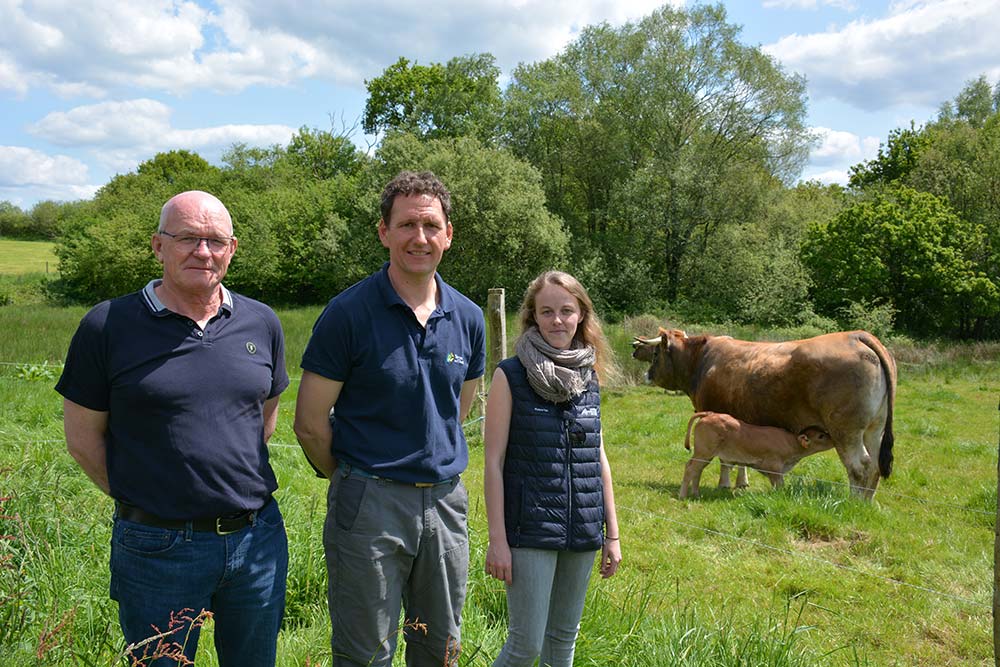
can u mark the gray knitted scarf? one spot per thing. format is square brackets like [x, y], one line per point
[555, 375]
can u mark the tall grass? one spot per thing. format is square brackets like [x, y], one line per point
[806, 575]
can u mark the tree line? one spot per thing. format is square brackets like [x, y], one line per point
[656, 160]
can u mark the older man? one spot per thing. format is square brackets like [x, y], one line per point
[400, 354]
[171, 394]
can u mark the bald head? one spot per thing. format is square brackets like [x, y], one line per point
[194, 204]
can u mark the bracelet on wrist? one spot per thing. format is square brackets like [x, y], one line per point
[611, 538]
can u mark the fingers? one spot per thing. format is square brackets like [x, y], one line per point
[500, 571]
[611, 558]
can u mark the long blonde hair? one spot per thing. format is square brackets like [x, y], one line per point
[589, 330]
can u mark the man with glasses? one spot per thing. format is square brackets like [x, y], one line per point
[170, 395]
[400, 354]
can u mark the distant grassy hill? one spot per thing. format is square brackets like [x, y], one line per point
[20, 257]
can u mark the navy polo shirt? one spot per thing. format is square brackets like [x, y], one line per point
[398, 411]
[185, 405]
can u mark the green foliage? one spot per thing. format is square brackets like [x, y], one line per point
[503, 235]
[746, 274]
[659, 130]
[170, 166]
[875, 318]
[907, 249]
[323, 155]
[895, 160]
[460, 98]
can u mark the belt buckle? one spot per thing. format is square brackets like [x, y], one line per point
[424, 485]
[218, 528]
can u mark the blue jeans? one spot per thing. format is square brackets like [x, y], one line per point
[163, 579]
[388, 547]
[545, 604]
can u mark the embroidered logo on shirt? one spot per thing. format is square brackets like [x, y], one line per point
[251, 348]
[455, 359]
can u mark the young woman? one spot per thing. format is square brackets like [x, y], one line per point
[549, 498]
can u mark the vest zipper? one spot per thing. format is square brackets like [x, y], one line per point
[569, 484]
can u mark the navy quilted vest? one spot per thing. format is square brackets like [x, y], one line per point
[553, 496]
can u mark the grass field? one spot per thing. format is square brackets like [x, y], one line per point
[803, 576]
[20, 257]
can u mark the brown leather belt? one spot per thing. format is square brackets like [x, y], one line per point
[221, 525]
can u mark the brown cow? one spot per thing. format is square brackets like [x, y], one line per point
[844, 383]
[772, 451]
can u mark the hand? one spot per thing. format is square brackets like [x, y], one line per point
[611, 557]
[498, 563]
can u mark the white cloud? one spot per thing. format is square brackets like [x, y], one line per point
[838, 147]
[122, 134]
[918, 54]
[848, 5]
[20, 166]
[103, 46]
[838, 176]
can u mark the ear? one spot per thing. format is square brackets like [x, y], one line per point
[448, 232]
[156, 243]
[803, 440]
[383, 231]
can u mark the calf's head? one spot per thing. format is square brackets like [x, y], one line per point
[813, 436]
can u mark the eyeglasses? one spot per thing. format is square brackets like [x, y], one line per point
[190, 243]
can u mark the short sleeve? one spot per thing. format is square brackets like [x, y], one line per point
[328, 352]
[85, 379]
[279, 375]
[477, 362]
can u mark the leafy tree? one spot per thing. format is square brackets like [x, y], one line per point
[975, 103]
[322, 155]
[171, 165]
[455, 99]
[14, 222]
[895, 159]
[670, 118]
[907, 249]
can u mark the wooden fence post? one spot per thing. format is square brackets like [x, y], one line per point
[496, 336]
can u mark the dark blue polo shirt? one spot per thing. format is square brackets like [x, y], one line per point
[185, 405]
[398, 411]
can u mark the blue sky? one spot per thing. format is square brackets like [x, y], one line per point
[91, 88]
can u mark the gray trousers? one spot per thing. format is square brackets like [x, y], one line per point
[391, 546]
[545, 604]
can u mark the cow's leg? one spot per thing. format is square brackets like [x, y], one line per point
[692, 476]
[859, 464]
[873, 444]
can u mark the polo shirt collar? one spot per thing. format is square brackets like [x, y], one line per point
[446, 302]
[157, 308]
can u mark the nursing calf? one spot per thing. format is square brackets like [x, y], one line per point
[772, 451]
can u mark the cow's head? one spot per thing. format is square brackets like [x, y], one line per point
[661, 353]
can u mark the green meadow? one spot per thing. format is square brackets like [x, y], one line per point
[803, 576]
[18, 257]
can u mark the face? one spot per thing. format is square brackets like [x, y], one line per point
[197, 271]
[557, 313]
[417, 234]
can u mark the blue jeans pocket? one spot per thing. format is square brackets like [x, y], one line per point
[145, 540]
[349, 497]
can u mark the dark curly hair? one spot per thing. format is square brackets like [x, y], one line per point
[409, 183]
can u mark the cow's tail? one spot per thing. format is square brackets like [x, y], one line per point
[889, 370]
[687, 436]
